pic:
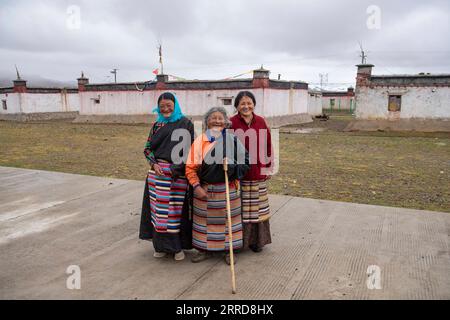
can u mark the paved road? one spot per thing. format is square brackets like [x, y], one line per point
[321, 249]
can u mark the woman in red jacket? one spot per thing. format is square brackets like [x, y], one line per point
[254, 133]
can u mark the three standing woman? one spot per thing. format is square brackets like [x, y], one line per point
[199, 175]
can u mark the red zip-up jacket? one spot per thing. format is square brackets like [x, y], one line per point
[257, 123]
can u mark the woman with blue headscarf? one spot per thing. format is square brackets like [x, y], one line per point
[165, 217]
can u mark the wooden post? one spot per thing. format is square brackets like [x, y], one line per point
[230, 229]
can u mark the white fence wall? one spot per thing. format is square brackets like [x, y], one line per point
[269, 102]
[314, 104]
[12, 103]
[39, 102]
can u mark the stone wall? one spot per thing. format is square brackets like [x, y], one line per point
[41, 116]
[420, 125]
[273, 122]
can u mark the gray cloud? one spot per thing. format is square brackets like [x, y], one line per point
[217, 39]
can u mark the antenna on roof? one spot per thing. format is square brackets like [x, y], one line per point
[363, 55]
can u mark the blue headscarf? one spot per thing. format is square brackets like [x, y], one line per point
[212, 138]
[176, 114]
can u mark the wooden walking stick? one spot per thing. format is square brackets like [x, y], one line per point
[230, 231]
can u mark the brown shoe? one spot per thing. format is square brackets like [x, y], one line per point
[200, 256]
[228, 259]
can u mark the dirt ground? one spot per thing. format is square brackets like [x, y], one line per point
[410, 170]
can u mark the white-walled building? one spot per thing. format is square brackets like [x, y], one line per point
[338, 100]
[274, 98]
[22, 103]
[281, 102]
[397, 97]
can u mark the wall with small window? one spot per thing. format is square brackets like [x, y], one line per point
[394, 103]
[226, 101]
[269, 102]
[403, 103]
[337, 103]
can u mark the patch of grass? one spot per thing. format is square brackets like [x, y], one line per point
[101, 150]
[410, 170]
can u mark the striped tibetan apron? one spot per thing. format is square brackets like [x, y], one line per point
[166, 199]
[255, 201]
[210, 226]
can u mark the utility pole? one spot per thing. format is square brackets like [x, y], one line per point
[323, 79]
[114, 71]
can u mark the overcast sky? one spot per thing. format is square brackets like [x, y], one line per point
[216, 39]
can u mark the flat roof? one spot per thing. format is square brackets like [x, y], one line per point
[411, 80]
[236, 84]
[442, 75]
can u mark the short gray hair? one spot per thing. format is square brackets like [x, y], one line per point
[216, 109]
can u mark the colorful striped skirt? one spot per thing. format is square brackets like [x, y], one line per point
[166, 199]
[210, 224]
[255, 201]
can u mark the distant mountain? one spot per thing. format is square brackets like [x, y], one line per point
[37, 81]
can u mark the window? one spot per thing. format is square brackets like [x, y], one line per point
[4, 105]
[227, 101]
[395, 103]
[96, 100]
[332, 103]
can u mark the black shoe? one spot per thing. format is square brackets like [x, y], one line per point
[255, 248]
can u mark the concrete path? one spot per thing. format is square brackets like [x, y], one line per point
[321, 249]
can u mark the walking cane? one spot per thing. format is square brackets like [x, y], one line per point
[230, 231]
